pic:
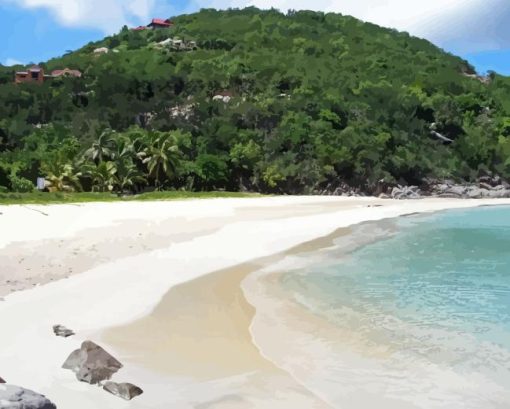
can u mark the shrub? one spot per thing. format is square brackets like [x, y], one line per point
[21, 185]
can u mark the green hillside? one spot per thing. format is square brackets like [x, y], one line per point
[265, 101]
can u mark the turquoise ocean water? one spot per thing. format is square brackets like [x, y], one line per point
[423, 315]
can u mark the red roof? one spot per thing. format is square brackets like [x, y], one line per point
[161, 22]
[225, 93]
[139, 28]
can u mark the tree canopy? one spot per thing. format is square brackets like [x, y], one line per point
[266, 101]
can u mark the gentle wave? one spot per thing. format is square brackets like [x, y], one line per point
[411, 313]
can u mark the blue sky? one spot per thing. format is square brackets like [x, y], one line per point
[36, 30]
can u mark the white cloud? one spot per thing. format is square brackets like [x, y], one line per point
[460, 25]
[141, 9]
[106, 15]
[11, 61]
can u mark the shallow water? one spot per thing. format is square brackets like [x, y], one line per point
[419, 319]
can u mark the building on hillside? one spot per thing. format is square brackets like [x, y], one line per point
[66, 72]
[101, 50]
[177, 44]
[160, 23]
[224, 96]
[167, 42]
[139, 28]
[34, 74]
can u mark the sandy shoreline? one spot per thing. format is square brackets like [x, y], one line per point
[131, 257]
[41, 244]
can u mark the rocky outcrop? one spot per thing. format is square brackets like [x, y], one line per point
[15, 397]
[125, 391]
[487, 187]
[483, 79]
[405, 192]
[481, 190]
[339, 189]
[91, 363]
[1, 380]
[61, 331]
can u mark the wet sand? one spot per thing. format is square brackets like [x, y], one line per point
[199, 329]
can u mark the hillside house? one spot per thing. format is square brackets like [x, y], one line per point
[34, 74]
[178, 44]
[101, 50]
[223, 96]
[66, 72]
[139, 28]
[157, 23]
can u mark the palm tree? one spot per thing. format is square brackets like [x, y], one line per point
[127, 176]
[61, 175]
[161, 156]
[103, 176]
[102, 147]
[124, 148]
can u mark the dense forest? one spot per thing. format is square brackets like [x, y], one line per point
[263, 101]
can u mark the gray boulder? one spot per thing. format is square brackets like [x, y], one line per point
[474, 192]
[61, 331]
[484, 185]
[15, 397]
[1, 380]
[457, 190]
[406, 192]
[490, 180]
[125, 391]
[498, 193]
[448, 196]
[91, 363]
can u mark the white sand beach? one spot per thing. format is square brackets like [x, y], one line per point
[126, 275]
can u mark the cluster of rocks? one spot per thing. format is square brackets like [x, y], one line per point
[484, 79]
[340, 190]
[92, 364]
[16, 397]
[487, 187]
[403, 192]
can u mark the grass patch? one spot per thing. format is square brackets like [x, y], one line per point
[51, 198]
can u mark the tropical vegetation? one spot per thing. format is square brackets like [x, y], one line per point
[299, 102]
